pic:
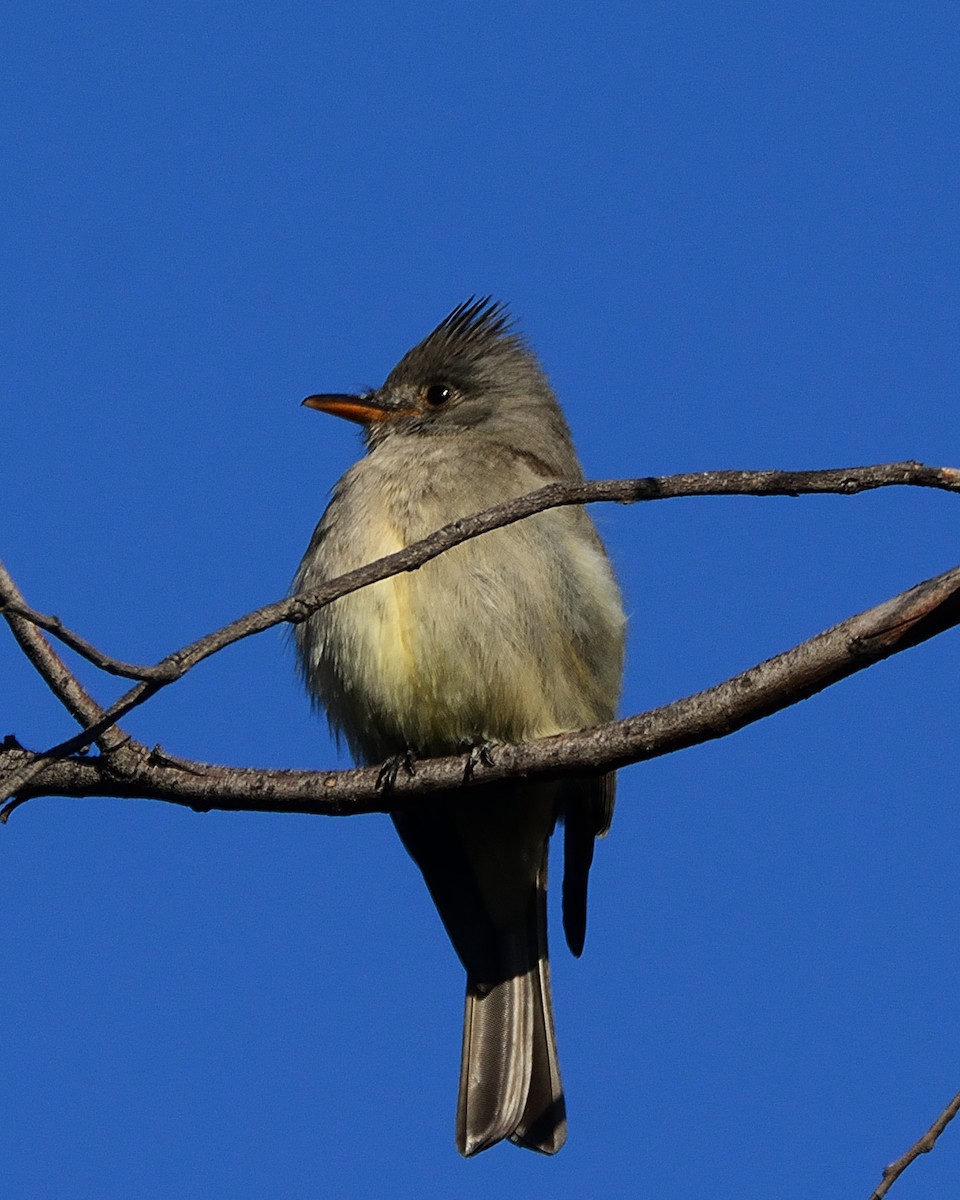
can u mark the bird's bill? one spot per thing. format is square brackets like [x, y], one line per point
[365, 410]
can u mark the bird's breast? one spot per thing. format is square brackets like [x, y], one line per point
[492, 640]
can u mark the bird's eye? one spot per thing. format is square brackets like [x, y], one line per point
[437, 394]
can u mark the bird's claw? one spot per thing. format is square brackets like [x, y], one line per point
[478, 754]
[391, 769]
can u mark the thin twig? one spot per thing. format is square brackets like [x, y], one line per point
[844, 481]
[52, 669]
[923, 1146]
[53, 625]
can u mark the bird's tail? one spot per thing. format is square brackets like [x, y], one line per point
[509, 1074]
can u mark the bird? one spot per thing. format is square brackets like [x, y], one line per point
[515, 635]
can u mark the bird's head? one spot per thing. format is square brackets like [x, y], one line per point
[473, 372]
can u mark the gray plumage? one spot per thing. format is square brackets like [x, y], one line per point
[512, 636]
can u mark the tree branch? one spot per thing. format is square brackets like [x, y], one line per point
[845, 481]
[99, 723]
[923, 1146]
[295, 609]
[903, 621]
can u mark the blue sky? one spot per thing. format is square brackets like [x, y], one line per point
[730, 231]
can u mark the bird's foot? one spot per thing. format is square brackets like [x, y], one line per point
[479, 754]
[391, 769]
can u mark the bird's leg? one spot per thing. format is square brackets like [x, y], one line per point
[391, 769]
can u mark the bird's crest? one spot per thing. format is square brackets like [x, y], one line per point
[476, 331]
[477, 320]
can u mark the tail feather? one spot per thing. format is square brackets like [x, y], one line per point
[496, 1064]
[543, 1125]
[509, 1074]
